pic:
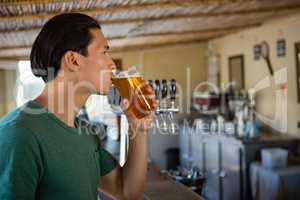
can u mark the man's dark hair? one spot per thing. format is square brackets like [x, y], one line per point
[62, 33]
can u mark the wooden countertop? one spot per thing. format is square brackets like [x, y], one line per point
[270, 138]
[160, 187]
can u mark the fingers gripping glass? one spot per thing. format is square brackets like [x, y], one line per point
[132, 87]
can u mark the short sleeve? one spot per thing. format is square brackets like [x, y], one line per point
[107, 162]
[20, 163]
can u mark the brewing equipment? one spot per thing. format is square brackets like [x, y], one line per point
[165, 94]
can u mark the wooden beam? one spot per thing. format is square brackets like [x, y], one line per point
[124, 48]
[196, 15]
[228, 28]
[190, 37]
[293, 8]
[5, 48]
[133, 46]
[150, 46]
[13, 58]
[117, 44]
[26, 2]
[162, 5]
[99, 10]
[182, 33]
[172, 4]
[13, 52]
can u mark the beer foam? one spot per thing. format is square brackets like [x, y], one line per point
[126, 74]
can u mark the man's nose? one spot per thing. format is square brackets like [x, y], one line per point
[111, 63]
[112, 66]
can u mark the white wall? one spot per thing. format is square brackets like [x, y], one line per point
[270, 101]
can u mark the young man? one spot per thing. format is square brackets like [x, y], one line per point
[43, 155]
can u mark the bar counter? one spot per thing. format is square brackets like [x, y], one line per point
[160, 187]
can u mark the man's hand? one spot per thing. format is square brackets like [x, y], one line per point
[128, 182]
[141, 125]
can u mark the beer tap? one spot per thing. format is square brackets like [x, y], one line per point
[157, 89]
[172, 108]
[157, 94]
[166, 109]
[158, 120]
[164, 94]
[173, 89]
[163, 106]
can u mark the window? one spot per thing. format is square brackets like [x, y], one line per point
[28, 86]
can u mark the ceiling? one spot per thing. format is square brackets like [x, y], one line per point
[132, 24]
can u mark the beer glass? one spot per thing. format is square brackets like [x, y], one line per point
[130, 85]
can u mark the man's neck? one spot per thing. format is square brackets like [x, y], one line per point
[62, 100]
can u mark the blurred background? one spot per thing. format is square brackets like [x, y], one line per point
[225, 72]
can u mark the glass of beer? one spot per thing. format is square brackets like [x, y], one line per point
[131, 86]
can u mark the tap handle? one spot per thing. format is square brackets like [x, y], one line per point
[157, 89]
[164, 89]
[173, 89]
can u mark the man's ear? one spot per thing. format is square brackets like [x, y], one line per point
[70, 58]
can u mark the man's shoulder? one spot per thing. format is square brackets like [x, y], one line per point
[13, 133]
[10, 117]
[19, 120]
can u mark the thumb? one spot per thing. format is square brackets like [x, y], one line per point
[125, 104]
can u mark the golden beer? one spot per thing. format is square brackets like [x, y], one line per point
[133, 89]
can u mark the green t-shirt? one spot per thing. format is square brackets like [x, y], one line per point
[43, 158]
